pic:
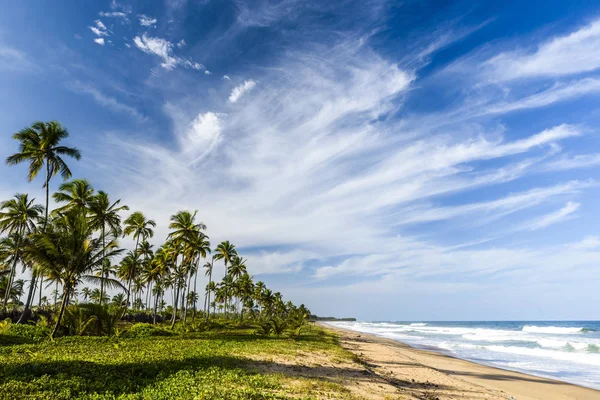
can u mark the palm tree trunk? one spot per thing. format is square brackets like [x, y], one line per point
[41, 290]
[175, 301]
[207, 305]
[155, 308]
[60, 314]
[102, 268]
[11, 277]
[195, 292]
[26, 312]
[137, 242]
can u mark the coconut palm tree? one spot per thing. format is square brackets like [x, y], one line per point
[77, 194]
[86, 292]
[68, 251]
[105, 216]
[140, 228]
[18, 216]
[128, 270]
[225, 251]
[39, 146]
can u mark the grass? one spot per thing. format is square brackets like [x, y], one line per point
[224, 364]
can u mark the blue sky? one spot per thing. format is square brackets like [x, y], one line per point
[386, 160]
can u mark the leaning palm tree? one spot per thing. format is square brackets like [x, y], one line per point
[39, 145]
[18, 216]
[105, 216]
[68, 251]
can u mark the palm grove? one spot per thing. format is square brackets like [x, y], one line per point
[77, 244]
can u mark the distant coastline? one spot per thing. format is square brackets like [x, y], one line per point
[317, 318]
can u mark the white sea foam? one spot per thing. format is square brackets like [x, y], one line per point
[561, 330]
[555, 355]
[570, 353]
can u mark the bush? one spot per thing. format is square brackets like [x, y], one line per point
[143, 330]
[24, 331]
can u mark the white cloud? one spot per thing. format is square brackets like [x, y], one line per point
[15, 60]
[572, 53]
[103, 100]
[207, 72]
[181, 43]
[77, 36]
[121, 16]
[323, 161]
[554, 217]
[163, 49]
[100, 25]
[240, 90]
[98, 32]
[580, 161]
[146, 20]
[227, 78]
[557, 93]
[99, 41]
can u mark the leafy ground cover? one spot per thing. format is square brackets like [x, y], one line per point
[228, 363]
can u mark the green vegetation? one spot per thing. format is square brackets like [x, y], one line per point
[153, 362]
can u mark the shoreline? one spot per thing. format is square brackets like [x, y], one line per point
[448, 376]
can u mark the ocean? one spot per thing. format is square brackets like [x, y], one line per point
[566, 351]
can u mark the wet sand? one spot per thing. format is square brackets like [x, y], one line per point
[412, 373]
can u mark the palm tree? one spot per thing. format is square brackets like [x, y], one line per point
[127, 270]
[17, 216]
[105, 216]
[78, 194]
[68, 252]
[225, 251]
[86, 292]
[39, 145]
[185, 233]
[139, 227]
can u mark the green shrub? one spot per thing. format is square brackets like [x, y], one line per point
[143, 330]
[31, 332]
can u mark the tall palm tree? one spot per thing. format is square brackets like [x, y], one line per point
[225, 251]
[140, 228]
[185, 233]
[39, 145]
[18, 216]
[128, 270]
[105, 216]
[69, 252]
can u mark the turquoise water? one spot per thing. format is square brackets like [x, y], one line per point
[565, 350]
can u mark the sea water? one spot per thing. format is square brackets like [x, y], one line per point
[567, 351]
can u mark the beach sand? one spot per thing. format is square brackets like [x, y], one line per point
[398, 371]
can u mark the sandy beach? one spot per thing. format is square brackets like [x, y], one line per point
[400, 370]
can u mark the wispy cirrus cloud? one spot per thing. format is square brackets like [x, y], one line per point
[554, 217]
[104, 100]
[572, 53]
[163, 49]
[333, 174]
